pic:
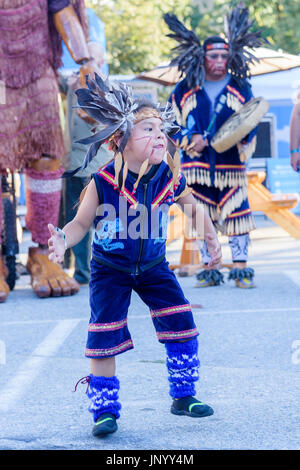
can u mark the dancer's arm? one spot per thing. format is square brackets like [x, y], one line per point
[74, 231]
[203, 225]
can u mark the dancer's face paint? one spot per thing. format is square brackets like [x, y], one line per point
[215, 64]
[147, 140]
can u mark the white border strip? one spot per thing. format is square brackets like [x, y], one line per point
[43, 186]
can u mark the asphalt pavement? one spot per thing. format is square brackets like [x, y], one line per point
[249, 347]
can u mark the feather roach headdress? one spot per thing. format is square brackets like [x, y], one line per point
[190, 53]
[237, 26]
[112, 106]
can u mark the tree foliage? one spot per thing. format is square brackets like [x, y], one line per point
[136, 32]
[278, 18]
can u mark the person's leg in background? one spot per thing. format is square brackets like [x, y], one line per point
[240, 273]
[208, 198]
[238, 223]
[43, 193]
[210, 276]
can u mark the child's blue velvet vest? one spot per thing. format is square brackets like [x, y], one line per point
[131, 225]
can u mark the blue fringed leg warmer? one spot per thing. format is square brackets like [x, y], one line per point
[104, 394]
[183, 367]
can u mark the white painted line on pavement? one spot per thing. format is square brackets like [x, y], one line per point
[26, 374]
[33, 322]
[293, 275]
[203, 311]
[250, 310]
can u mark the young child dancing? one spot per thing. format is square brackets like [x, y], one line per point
[128, 250]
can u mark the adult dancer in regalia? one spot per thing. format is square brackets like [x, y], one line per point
[213, 88]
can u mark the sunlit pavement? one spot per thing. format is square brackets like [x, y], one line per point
[249, 346]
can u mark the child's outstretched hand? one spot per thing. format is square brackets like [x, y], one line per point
[56, 244]
[214, 249]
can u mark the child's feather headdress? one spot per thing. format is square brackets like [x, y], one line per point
[112, 106]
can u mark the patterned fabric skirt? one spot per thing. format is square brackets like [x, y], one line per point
[30, 123]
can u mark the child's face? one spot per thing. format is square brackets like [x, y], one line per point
[147, 140]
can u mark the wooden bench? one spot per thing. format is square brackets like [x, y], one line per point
[275, 206]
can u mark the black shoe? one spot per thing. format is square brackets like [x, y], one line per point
[190, 406]
[105, 424]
